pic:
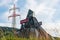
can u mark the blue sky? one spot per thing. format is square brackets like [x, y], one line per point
[47, 11]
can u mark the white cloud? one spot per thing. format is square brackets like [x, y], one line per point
[5, 24]
[1, 24]
[4, 2]
[15, 1]
[52, 28]
[7, 2]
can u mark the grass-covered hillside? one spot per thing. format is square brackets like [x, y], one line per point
[6, 33]
[57, 38]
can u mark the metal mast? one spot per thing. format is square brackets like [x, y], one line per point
[14, 15]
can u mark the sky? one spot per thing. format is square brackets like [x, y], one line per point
[47, 11]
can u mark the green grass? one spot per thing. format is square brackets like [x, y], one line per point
[11, 36]
[8, 35]
[57, 38]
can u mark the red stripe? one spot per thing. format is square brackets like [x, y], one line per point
[24, 21]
